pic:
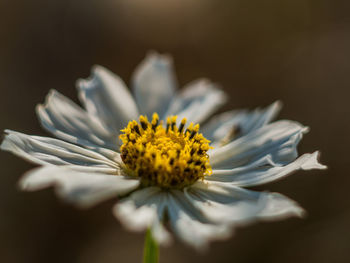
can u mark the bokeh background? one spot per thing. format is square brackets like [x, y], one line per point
[297, 51]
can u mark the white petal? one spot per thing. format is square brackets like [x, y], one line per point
[83, 189]
[197, 101]
[190, 225]
[106, 97]
[154, 84]
[238, 123]
[66, 120]
[279, 207]
[44, 150]
[144, 209]
[265, 171]
[278, 139]
[225, 203]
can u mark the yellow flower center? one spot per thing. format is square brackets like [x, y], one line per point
[170, 157]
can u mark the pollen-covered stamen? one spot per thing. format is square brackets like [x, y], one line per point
[173, 122]
[194, 131]
[144, 122]
[136, 128]
[155, 120]
[182, 125]
[167, 157]
[168, 123]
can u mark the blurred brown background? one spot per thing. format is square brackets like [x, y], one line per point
[259, 50]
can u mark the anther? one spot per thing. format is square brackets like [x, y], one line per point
[195, 130]
[189, 129]
[193, 133]
[182, 125]
[137, 129]
[132, 137]
[173, 122]
[144, 122]
[196, 127]
[168, 121]
[155, 120]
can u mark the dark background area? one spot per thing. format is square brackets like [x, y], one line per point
[297, 51]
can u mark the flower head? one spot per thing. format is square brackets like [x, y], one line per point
[152, 153]
[170, 157]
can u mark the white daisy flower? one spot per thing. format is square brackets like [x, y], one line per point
[147, 149]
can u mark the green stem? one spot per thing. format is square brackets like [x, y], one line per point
[151, 249]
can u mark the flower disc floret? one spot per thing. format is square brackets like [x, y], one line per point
[169, 157]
